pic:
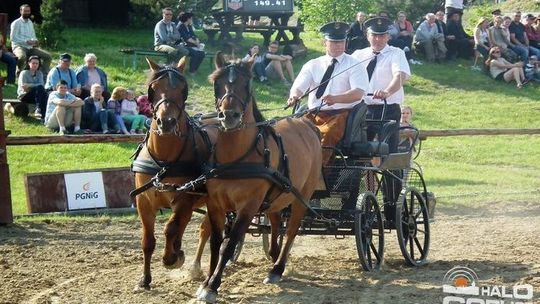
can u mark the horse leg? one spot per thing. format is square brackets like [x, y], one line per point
[275, 225]
[297, 214]
[173, 256]
[148, 242]
[204, 234]
[217, 225]
[226, 251]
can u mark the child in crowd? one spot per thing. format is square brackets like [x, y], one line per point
[130, 113]
[115, 105]
[258, 65]
[94, 116]
[407, 137]
[532, 69]
[145, 108]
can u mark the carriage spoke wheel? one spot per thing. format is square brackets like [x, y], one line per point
[412, 226]
[369, 232]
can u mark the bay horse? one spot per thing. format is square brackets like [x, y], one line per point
[174, 149]
[256, 167]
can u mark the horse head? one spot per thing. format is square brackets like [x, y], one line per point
[167, 93]
[232, 91]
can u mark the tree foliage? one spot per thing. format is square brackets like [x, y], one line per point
[315, 13]
[49, 32]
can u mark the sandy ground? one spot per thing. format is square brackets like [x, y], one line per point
[100, 261]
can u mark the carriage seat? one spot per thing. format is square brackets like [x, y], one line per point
[354, 142]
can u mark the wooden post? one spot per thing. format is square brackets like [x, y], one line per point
[6, 214]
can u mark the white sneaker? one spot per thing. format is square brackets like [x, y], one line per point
[406, 49]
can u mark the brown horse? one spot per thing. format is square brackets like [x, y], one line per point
[175, 150]
[245, 159]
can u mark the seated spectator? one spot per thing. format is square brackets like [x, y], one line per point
[130, 114]
[24, 42]
[533, 34]
[501, 69]
[193, 44]
[441, 25]
[430, 40]
[63, 110]
[89, 74]
[500, 36]
[356, 35]
[31, 88]
[406, 138]
[258, 65]
[481, 37]
[459, 43]
[145, 108]
[63, 72]
[520, 40]
[10, 60]
[532, 69]
[275, 63]
[254, 20]
[94, 115]
[114, 105]
[167, 39]
[521, 51]
[404, 38]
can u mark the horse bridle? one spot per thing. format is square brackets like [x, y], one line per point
[233, 72]
[172, 74]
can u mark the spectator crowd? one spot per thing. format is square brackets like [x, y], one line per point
[80, 100]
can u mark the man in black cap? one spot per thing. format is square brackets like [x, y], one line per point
[63, 72]
[340, 81]
[388, 70]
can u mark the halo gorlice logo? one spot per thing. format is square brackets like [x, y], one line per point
[461, 283]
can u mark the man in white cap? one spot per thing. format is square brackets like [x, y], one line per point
[338, 82]
[388, 70]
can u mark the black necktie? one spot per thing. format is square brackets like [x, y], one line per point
[325, 78]
[371, 65]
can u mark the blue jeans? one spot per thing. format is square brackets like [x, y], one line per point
[197, 58]
[259, 70]
[521, 51]
[11, 63]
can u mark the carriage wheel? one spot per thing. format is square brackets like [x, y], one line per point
[266, 238]
[369, 232]
[412, 226]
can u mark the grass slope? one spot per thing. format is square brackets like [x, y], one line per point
[460, 170]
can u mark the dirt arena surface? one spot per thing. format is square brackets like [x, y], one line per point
[100, 261]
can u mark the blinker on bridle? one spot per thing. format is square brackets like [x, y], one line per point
[174, 76]
[232, 76]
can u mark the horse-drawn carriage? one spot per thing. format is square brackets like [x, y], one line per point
[261, 176]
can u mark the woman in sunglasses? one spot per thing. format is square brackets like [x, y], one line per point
[501, 69]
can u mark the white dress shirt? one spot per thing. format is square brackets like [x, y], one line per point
[454, 3]
[22, 31]
[349, 74]
[390, 61]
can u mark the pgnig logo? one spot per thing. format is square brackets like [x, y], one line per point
[86, 194]
[461, 285]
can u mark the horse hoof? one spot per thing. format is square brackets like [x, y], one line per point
[207, 296]
[272, 278]
[195, 272]
[179, 261]
[144, 283]
[199, 291]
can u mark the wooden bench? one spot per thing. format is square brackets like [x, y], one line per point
[211, 33]
[136, 53]
[16, 107]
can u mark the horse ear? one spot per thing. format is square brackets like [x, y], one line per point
[181, 66]
[219, 60]
[154, 66]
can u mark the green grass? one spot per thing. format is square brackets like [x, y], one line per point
[459, 170]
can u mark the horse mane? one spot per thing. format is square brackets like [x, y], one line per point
[245, 69]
